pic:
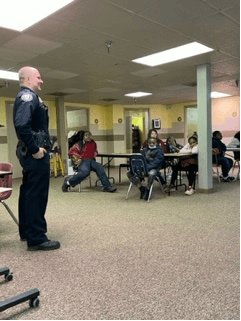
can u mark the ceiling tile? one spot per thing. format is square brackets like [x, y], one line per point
[134, 5]
[148, 72]
[175, 12]
[31, 44]
[223, 4]
[234, 13]
[58, 74]
[107, 90]
[15, 55]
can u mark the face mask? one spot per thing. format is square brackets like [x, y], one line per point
[152, 147]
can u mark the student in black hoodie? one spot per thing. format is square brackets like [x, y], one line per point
[219, 148]
[154, 156]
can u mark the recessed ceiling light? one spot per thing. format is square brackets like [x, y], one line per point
[174, 54]
[8, 75]
[215, 94]
[12, 12]
[138, 94]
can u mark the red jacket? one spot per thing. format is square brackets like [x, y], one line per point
[89, 150]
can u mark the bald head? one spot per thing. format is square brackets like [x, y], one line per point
[30, 77]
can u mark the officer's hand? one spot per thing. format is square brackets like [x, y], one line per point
[40, 153]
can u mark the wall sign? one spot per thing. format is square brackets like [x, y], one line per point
[156, 123]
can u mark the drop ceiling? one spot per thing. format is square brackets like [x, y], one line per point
[69, 49]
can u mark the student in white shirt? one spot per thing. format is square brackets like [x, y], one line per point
[189, 164]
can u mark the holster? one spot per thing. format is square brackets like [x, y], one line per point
[42, 140]
[21, 150]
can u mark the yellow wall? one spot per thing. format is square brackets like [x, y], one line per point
[225, 113]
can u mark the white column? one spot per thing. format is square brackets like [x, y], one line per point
[62, 130]
[205, 177]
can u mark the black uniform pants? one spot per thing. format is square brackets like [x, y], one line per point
[33, 199]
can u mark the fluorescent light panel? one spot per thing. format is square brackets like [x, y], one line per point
[19, 15]
[215, 94]
[138, 94]
[178, 53]
[8, 75]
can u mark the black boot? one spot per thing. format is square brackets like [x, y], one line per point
[142, 190]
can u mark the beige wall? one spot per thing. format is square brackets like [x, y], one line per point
[110, 134]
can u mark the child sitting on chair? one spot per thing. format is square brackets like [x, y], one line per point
[189, 165]
[83, 154]
[154, 157]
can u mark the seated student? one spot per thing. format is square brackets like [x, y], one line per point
[153, 133]
[219, 148]
[235, 143]
[83, 154]
[189, 164]
[172, 145]
[154, 157]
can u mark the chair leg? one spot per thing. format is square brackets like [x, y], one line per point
[10, 212]
[162, 187]
[129, 190]
[149, 196]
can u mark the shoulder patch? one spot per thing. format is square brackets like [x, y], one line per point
[27, 97]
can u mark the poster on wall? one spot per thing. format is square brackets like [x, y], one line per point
[156, 123]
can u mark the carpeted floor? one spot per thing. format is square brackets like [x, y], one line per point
[173, 258]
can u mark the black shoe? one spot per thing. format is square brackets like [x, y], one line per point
[65, 186]
[146, 195]
[227, 179]
[110, 189]
[142, 190]
[22, 239]
[46, 246]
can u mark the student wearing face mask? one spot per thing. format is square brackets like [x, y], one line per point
[154, 156]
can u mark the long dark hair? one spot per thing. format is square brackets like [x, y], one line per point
[150, 131]
[237, 135]
[77, 138]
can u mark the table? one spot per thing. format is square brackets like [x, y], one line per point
[236, 157]
[4, 173]
[111, 156]
[5, 189]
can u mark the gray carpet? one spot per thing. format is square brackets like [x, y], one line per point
[173, 258]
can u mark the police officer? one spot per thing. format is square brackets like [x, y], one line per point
[31, 120]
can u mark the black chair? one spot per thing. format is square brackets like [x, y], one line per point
[138, 167]
[126, 165]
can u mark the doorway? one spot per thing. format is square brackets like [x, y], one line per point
[12, 142]
[137, 126]
[191, 122]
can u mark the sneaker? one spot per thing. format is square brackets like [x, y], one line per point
[189, 192]
[227, 179]
[142, 191]
[65, 186]
[110, 189]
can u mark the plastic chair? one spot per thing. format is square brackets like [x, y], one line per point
[126, 165]
[138, 167]
[236, 163]
[216, 167]
[6, 181]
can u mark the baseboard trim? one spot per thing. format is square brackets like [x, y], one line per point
[205, 190]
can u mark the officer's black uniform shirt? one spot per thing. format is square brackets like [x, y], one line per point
[30, 114]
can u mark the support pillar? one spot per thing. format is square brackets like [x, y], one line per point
[62, 130]
[204, 128]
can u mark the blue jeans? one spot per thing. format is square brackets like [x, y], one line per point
[85, 168]
[226, 164]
